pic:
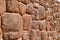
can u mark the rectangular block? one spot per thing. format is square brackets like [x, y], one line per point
[2, 6]
[35, 24]
[27, 21]
[35, 34]
[12, 25]
[26, 35]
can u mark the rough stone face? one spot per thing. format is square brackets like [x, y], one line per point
[43, 25]
[36, 5]
[2, 6]
[35, 15]
[50, 38]
[35, 34]
[33, 1]
[27, 19]
[29, 8]
[26, 35]
[12, 25]
[35, 24]
[22, 8]
[44, 35]
[25, 1]
[0, 21]
[42, 12]
[12, 6]
[1, 34]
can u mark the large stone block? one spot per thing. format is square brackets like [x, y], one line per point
[12, 23]
[27, 19]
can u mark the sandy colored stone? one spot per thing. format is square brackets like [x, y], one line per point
[2, 6]
[27, 19]
[12, 23]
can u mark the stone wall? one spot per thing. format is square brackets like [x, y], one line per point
[29, 20]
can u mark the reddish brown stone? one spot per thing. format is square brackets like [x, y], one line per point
[35, 24]
[22, 8]
[50, 38]
[26, 35]
[25, 1]
[12, 6]
[35, 34]
[43, 25]
[12, 24]
[2, 6]
[27, 19]
[33, 1]
[44, 35]
[35, 15]
[20, 38]
[36, 5]
[42, 12]
[29, 8]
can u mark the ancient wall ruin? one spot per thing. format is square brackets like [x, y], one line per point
[29, 20]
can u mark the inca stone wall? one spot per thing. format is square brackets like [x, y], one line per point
[29, 20]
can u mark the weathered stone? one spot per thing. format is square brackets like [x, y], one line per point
[57, 15]
[42, 12]
[35, 34]
[43, 25]
[33, 1]
[1, 34]
[12, 6]
[22, 8]
[2, 6]
[0, 21]
[36, 5]
[29, 8]
[58, 37]
[50, 38]
[44, 35]
[12, 23]
[27, 19]
[25, 1]
[20, 38]
[35, 24]
[26, 35]
[35, 15]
